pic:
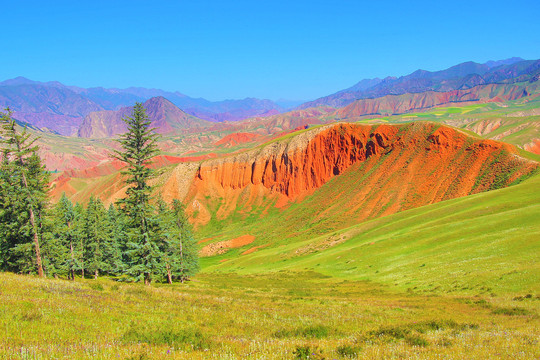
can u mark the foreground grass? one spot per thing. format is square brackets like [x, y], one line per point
[281, 315]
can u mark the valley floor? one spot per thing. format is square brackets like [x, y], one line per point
[279, 315]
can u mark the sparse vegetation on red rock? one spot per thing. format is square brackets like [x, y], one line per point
[395, 168]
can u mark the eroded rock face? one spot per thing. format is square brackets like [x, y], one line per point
[405, 166]
[304, 164]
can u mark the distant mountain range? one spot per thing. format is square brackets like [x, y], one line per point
[459, 77]
[62, 108]
[97, 112]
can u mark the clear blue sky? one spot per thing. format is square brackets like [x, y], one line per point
[297, 50]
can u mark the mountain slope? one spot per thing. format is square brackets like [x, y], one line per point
[53, 107]
[483, 243]
[165, 117]
[61, 108]
[382, 170]
[343, 173]
[401, 104]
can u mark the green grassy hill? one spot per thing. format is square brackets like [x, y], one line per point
[484, 243]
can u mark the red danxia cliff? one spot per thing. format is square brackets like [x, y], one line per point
[391, 168]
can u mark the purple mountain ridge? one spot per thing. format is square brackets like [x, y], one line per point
[62, 108]
[458, 77]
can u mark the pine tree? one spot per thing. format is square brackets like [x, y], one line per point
[115, 232]
[24, 192]
[138, 147]
[180, 255]
[96, 237]
[66, 235]
[80, 240]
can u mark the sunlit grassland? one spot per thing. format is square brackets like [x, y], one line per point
[458, 279]
[265, 316]
[488, 243]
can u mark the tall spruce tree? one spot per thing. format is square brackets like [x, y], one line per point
[115, 232]
[97, 241]
[180, 255]
[80, 243]
[66, 234]
[138, 147]
[24, 193]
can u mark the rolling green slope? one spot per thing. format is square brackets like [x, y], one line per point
[488, 242]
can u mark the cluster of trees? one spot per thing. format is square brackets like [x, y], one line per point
[138, 239]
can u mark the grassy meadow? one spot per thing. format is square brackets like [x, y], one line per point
[280, 315]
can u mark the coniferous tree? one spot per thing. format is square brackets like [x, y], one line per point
[169, 236]
[96, 237]
[54, 251]
[138, 147]
[115, 232]
[80, 241]
[24, 195]
[180, 255]
[12, 215]
[189, 264]
[66, 235]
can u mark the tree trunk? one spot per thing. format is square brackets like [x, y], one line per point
[82, 258]
[147, 279]
[71, 270]
[169, 274]
[34, 230]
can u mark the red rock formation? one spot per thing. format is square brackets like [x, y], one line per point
[357, 171]
[534, 146]
[292, 173]
[237, 139]
[403, 167]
